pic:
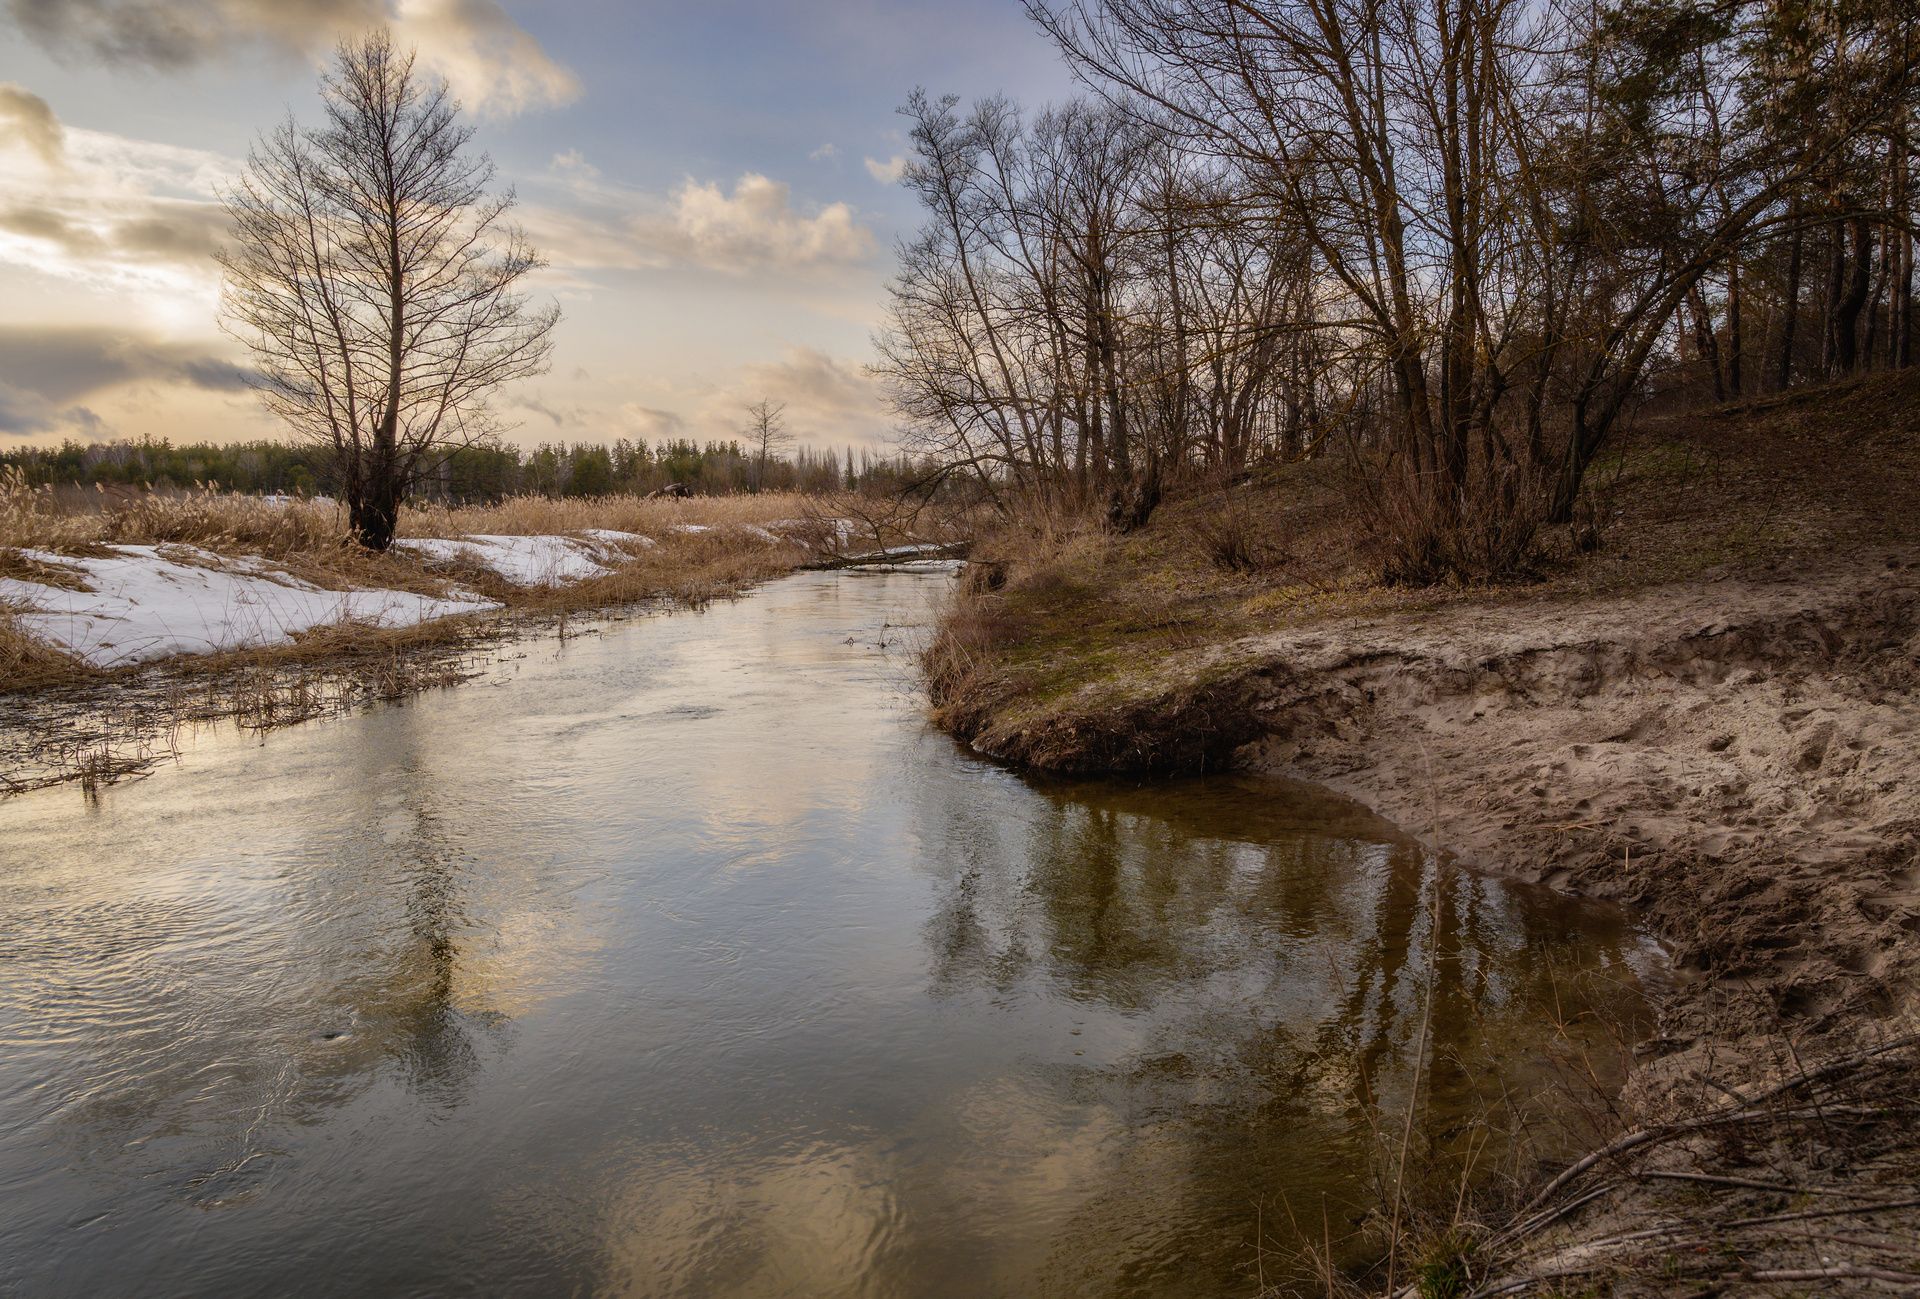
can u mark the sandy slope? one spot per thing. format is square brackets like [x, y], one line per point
[1737, 759]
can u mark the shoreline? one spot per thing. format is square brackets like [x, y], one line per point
[1733, 760]
[117, 723]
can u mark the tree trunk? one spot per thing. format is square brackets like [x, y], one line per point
[1783, 368]
[1704, 342]
[1846, 320]
[1735, 379]
[1836, 286]
[373, 512]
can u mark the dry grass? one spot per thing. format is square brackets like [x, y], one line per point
[67, 522]
[539, 515]
[26, 663]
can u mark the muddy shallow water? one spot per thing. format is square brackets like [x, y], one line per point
[685, 960]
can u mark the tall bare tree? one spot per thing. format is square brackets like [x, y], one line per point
[767, 434]
[377, 281]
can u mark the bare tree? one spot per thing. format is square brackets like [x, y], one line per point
[378, 283]
[767, 434]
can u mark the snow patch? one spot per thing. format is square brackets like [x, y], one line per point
[523, 561]
[150, 602]
[609, 537]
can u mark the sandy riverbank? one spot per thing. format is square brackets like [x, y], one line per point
[1711, 720]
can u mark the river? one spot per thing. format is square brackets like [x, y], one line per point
[684, 959]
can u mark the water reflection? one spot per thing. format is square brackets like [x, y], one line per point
[685, 961]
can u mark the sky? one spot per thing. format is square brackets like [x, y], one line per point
[714, 184]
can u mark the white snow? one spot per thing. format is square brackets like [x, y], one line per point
[148, 602]
[900, 552]
[523, 561]
[613, 538]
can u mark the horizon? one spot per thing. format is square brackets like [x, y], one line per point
[738, 251]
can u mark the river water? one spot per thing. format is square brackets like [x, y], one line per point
[684, 959]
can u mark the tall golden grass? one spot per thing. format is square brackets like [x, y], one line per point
[40, 518]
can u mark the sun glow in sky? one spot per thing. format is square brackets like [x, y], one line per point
[714, 184]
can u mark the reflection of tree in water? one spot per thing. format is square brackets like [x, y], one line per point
[405, 992]
[1277, 952]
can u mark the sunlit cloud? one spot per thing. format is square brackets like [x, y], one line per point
[888, 172]
[753, 225]
[490, 62]
[756, 224]
[117, 214]
[27, 122]
[493, 64]
[829, 400]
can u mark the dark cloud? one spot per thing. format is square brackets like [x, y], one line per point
[45, 373]
[171, 34]
[171, 231]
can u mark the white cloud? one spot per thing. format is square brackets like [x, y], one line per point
[888, 172]
[756, 225]
[493, 64]
[829, 400]
[753, 225]
[650, 423]
[134, 220]
[825, 153]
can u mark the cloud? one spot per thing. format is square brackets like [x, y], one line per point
[888, 172]
[825, 153]
[25, 117]
[651, 423]
[489, 60]
[493, 64]
[45, 371]
[829, 400]
[117, 214]
[755, 225]
[167, 231]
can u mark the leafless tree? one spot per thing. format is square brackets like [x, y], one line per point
[377, 282]
[767, 434]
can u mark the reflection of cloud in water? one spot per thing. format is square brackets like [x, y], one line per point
[749, 1222]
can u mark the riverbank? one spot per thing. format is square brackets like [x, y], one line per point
[1709, 719]
[121, 625]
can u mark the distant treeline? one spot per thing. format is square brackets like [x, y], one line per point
[470, 474]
